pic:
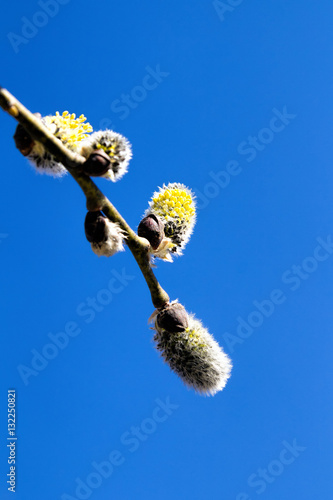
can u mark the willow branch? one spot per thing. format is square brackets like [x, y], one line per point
[96, 200]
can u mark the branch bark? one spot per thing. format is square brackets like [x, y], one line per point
[96, 200]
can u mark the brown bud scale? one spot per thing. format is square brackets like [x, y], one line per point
[152, 229]
[97, 164]
[94, 226]
[173, 318]
[23, 141]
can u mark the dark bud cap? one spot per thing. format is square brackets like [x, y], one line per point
[152, 229]
[94, 226]
[23, 141]
[97, 164]
[173, 318]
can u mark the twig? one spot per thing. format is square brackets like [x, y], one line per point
[96, 200]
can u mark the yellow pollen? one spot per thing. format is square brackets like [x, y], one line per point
[176, 203]
[70, 130]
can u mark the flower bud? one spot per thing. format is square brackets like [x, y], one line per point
[106, 237]
[23, 141]
[97, 164]
[151, 228]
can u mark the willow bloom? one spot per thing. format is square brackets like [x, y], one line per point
[174, 206]
[70, 130]
[190, 350]
[117, 148]
[106, 237]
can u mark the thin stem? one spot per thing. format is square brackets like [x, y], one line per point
[96, 200]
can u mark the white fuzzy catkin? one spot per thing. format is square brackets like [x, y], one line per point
[113, 242]
[115, 145]
[195, 357]
[44, 162]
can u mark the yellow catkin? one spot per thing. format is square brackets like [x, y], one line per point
[175, 203]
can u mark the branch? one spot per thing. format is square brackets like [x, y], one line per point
[96, 200]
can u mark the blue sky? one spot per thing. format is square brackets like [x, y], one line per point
[234, 99]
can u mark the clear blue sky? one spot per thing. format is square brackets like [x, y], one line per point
[235, 102]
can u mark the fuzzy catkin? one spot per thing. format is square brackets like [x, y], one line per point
[70, 130]
[174, 205]
[195, 357]
[115, 145]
